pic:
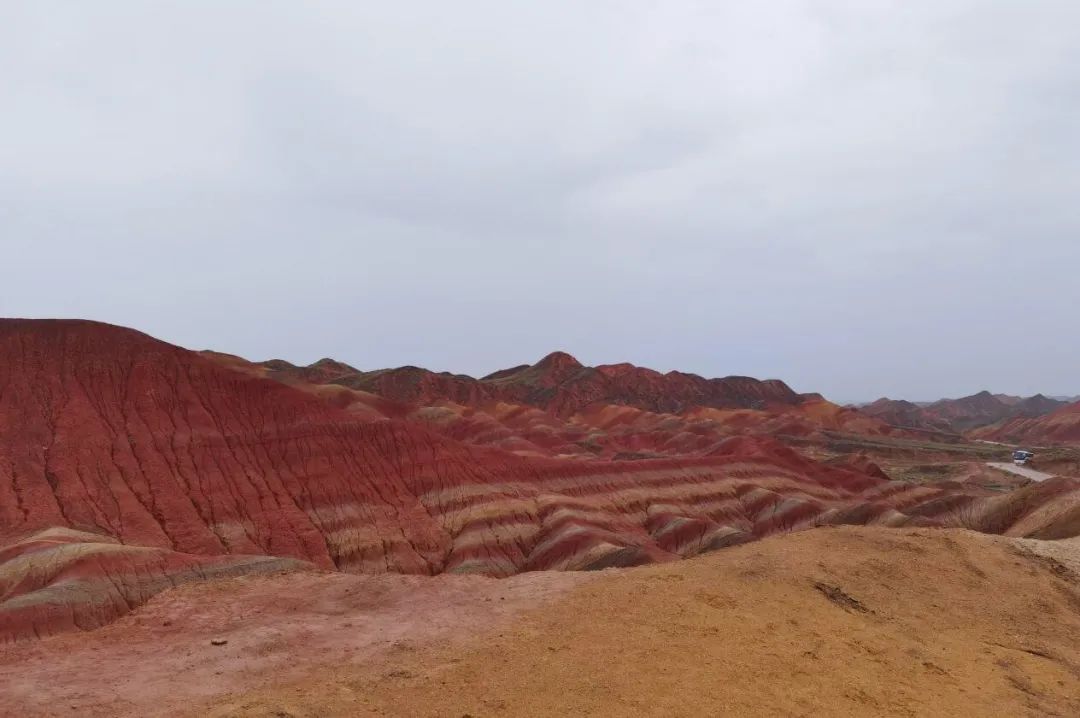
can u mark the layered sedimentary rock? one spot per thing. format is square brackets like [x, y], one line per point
[109, 431]
[959, 415]
[183, 457]
[899, 412]
[1061, 426]
[60, 579]
[970, 411]
[558, 383]
[602, 427]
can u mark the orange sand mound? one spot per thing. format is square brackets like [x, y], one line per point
[836, 621]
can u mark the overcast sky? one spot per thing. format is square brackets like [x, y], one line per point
[863, 199]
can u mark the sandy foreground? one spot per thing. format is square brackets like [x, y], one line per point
[837, 621]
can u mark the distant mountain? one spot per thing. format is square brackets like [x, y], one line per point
[559, 407]
[558, 383]
[1061, 426]
[970, 411]
[961, 415]
[899, 412]
[1038, 405]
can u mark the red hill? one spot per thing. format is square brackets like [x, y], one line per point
[960, 415]
[899, 412]
[561, 384]
[494, 413]
[1058, 427]
[171, 464]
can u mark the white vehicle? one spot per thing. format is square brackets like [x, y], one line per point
[1021, 457]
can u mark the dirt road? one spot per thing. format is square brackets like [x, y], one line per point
[1020, 470]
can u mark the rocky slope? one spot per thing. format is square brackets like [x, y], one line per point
[970, 411]
[524, 410]
[961, 415]
[174, 454]
[1061, 426]
[560, 384]
[1035, 406]
[906, 414]
[60, 579]
[852, 621]
[834, 623]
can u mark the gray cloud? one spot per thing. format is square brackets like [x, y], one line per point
[862, 201]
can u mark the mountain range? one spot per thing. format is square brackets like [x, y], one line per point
[964, 414]
[128, 465]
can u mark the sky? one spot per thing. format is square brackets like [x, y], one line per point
[862, 199]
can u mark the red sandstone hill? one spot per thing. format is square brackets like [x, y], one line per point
[559, 383]
[61, 579]
[970, 411]
[960, 415]
[899, 412]
[558, 407]
[181, 464]
[1059, 427]
[109, 432]
[597, 431]
[1035, 406]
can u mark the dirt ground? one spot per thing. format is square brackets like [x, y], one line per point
[159, 660]
[837, 621]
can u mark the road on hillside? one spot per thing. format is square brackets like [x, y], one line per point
[1020, 470]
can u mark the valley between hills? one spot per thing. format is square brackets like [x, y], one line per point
[194, 531]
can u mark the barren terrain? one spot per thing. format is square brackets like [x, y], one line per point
[185, 532]
[834, 621]
[129, 466]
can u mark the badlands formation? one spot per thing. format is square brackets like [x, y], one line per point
[405, 542]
